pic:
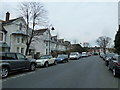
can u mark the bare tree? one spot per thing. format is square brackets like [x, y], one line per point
[35, 15]
[86, 44]
[75, 41]
[103, 42]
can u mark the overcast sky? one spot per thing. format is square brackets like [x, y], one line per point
[81, 21]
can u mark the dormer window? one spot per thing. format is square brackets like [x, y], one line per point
[1, 36]
[20, 26]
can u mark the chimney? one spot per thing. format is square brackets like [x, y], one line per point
[7, 16]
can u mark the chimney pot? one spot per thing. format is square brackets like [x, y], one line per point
[7, 16]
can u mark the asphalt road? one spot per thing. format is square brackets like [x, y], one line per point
[89, 72]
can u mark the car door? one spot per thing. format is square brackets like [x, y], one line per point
[50, 60]
[12, 60]
[114, 60]
[24, 63]
[110, 63]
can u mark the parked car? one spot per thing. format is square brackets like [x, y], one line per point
[108, 57]
[96, 53]
[84, 54]
[46, 60]
[62, 58]
[74, 55]
[114, 65]
[15, 61]
[89, 54]
[102, 55]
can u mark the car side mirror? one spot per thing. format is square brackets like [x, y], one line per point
[113, 58]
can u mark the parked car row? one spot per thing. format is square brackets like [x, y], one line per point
[77, 55]
[10, 62]
[112, 61]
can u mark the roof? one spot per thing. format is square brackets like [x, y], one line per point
[19, 34]
[40, 31]
[6, 22]
[2, 28]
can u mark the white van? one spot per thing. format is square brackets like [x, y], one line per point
[74, 55]
[84, 54]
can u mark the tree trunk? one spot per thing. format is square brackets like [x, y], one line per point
[27, 49]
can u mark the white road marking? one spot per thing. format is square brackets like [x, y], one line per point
[14, 77]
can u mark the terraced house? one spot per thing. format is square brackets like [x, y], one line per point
[15, 35]
[13, 38]
[44, 43]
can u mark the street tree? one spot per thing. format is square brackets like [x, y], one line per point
[35, 15]
[103, 42]
[117, 41]
[86, 44]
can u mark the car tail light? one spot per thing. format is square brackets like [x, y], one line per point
[117, 63]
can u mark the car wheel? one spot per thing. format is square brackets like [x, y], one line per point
[106, 63]
[55, 63]
[46, 64]
[114, 72]
[67, 60]
[4, 72]
[32, 67]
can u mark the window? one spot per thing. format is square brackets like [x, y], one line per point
[1, 36]
[11, 56]
[2, 56]
[20, 56]
[18, 49]
[18, 40]
[46, 51]
[22, 40]
[46, 43]
[20, 26]
[22, 50]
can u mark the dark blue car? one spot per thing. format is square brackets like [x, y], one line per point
[62, 58]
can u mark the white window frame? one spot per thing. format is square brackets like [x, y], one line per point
[3, 36]
[23, 50]
[17, 39]
[18, 50]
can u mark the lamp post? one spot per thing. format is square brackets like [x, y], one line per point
[50, 39]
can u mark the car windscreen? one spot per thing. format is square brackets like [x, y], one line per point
[44, 57]
[110, 55]
[73, 54]
[62, 56]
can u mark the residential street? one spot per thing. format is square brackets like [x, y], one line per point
[89, 72]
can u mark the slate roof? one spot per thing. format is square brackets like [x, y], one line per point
[40, 31]
[6, 22]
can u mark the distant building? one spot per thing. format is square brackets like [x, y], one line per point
[41, 41]
[44, 43]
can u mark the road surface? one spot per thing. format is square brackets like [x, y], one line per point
[89, 72]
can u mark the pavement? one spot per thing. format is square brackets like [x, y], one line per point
[88, 72]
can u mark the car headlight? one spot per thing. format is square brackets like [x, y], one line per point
[107, 59]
